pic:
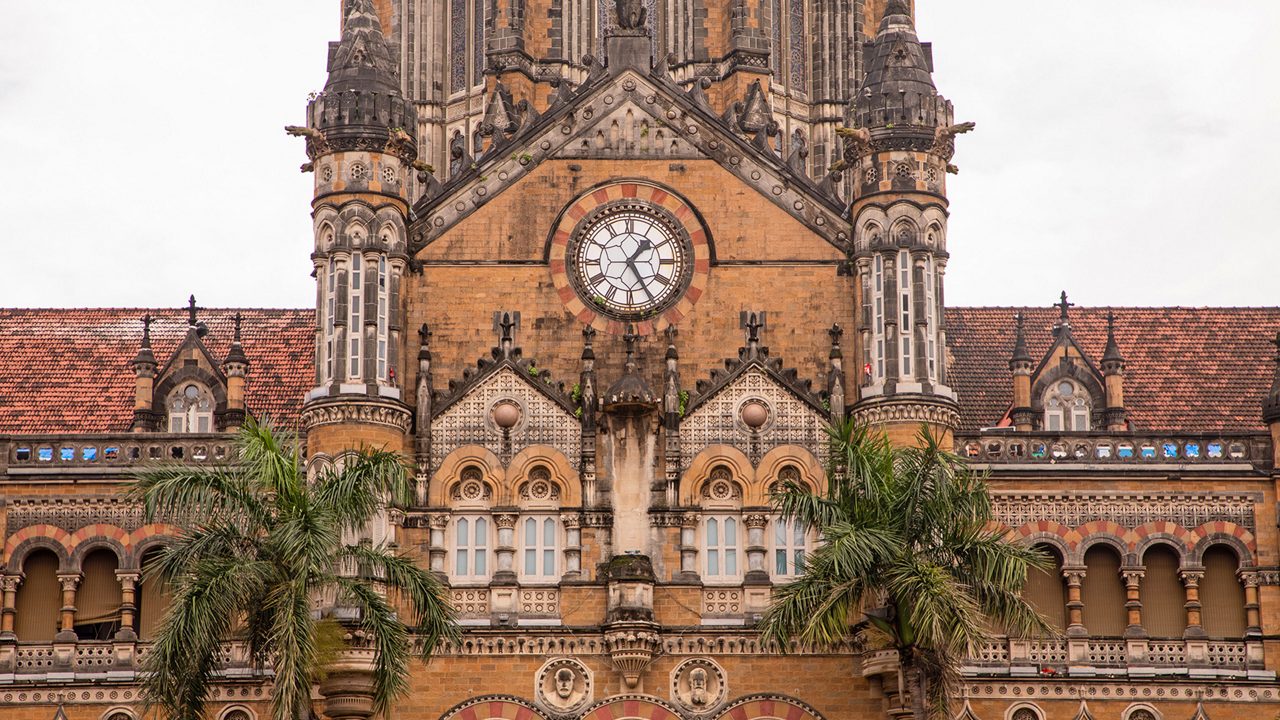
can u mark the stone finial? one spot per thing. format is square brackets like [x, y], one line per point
[588, 342]
[236, 362]
[145, 361]
[1064, 322]
[753, 323]
[836, 333]
[506, 323]
[630, 390]
[191, 310]
[424, 342]
[1111, 355]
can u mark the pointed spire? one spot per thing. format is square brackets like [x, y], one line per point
[1271, 404]
[500, 116]
[145, 360]
[897, 16]
[835, 375]
[1020, 352]
[898, 90]
[236, 360]
[671, 381]
[1111, 355]
[362, 60]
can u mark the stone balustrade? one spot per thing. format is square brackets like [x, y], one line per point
[35, 455]
[1090, 657]
[100, 661]
[1003, 447]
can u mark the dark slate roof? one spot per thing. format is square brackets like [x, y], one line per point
[67, 370]
[1187, 369]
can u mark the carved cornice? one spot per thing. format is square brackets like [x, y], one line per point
[357, 411]
[908, 409]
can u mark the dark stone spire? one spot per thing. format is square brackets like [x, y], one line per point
[1064, 323]
[1271, 404]
[145, 360]
[1111, 355]
[1020, 352]
[235, 355]
[898, 91]
[362, 60]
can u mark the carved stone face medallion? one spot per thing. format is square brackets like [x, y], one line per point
[563, 686]
[699, 685]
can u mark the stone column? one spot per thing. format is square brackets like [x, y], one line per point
[572, 546]
[689, 546]
[1253, 619]
[128, 604]
[1197, 646]
[67, 628]
[757, 587]
[504, 589]
[1133, 600]
[1077, 634]
[437, 550]
[10, 590]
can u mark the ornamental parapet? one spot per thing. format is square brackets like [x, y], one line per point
[110, 662]
[1007, 447]
[108, 453]
[1116, 657]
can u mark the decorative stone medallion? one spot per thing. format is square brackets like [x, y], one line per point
[699, 686]
[563, 686]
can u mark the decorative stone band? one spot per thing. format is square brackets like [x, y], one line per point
[536, 644]
[358, 412]
[1074, 690]
[886, 411]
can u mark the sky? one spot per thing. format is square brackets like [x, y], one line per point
[1125, 151]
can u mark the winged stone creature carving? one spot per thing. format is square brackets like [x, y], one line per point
[631, 14]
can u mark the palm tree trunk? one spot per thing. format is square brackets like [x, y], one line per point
[915, 683]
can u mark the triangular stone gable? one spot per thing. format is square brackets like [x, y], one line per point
[590, 123]
[192, 348]
[796, 415]
[464, 415]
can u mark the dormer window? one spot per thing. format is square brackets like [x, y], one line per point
[190, 410]
[1067, 408]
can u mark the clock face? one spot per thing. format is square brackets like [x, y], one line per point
[630, 262]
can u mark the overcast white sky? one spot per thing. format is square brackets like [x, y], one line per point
[1125, 151]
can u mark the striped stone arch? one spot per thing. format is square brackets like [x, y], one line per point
[47, 536]
[493, 707]
[1224, 533]
[631, 707]
[91, 537]
[769, 707]
[1152, 533]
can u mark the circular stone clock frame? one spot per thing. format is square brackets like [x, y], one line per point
[666, 220]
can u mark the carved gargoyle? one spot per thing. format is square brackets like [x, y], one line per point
[317, 144]
[944, 143]
[857, 143]
[631, 14]
[399, 142]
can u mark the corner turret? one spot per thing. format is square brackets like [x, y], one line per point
[897, 156]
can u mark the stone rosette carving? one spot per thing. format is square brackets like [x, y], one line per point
[700, 686]
[563, 687]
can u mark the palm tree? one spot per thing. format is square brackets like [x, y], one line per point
[909, 549]
[261, 543]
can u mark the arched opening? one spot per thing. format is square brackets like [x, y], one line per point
[1162, 594]
[191, 409]
[1046, 590]
[153, 597]
[39, 598]
[1221, 594]
[1103, 593]
[98, 597]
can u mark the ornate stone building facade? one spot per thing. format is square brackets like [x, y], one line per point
[604, 304]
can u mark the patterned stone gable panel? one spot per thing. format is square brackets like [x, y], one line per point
[718, 420]
[469, 422]
[1130, 510]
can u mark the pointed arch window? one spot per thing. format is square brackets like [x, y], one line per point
[1067, 408]
[190, 409]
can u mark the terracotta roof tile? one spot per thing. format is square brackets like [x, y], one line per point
[67, 370]
[1188, 369]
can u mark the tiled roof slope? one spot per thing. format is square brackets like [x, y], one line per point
[1187, 369]
[67, 370]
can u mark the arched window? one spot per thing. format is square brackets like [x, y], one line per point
[1162, 594]
[1221, 594]
[98, 597]
[539, 540]
[1067, 408]
[39, 598]
[471, 549]
[917, 299]
[190, 409]
[153, 596]
[1046, 590]
[1103, 593]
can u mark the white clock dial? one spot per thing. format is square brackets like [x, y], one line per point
[630, 263]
